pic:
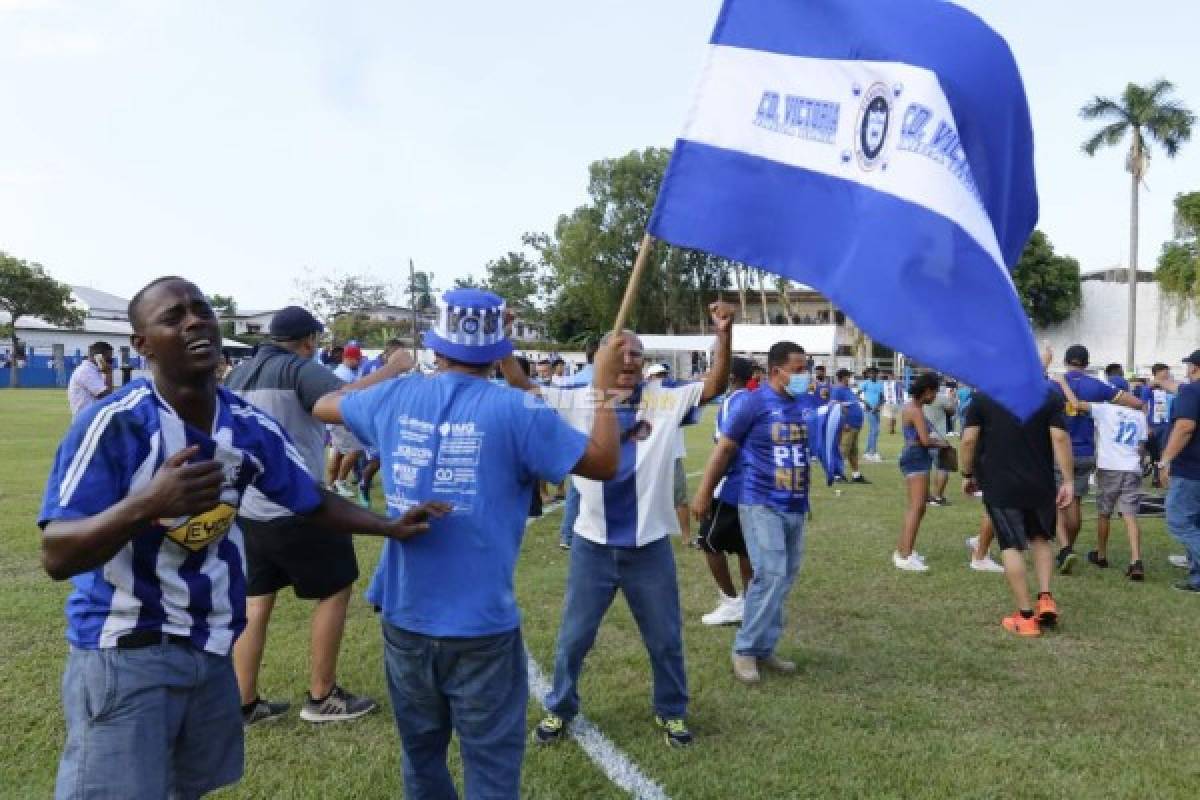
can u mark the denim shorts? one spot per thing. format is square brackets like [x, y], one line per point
[915, 460]
[149, 722]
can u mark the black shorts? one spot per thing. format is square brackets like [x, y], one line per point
[1015, 527]
[720, 530]
[291, 552]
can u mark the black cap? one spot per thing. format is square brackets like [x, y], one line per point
[293, 323]
[843, 373]
[1077, 354]
[741, 368]
[1194, 358]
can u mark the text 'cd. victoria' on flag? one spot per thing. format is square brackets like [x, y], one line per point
[881, 152]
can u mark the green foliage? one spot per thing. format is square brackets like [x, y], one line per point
[421, 290]
[328, 295]
[26, 289]
[1148, 114]
[369, 332]
[1179, 262]
[515, 278]
[1048, 284]
[223, 304]
[589, 256]
[469, 282]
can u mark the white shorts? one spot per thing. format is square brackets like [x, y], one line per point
[343, 440]
[888, 410]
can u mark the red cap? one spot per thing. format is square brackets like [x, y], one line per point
[352, 351]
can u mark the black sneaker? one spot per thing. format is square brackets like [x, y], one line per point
[262, 711]
[1135, 571]
[859, 479]
[676, 731]
[1065, 560]
[338, 706]
[551, 729]
[1184, 586]
[1093, 557]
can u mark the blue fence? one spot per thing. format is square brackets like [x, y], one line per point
[40, 372]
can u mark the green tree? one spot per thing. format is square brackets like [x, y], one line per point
[327, 295]
[469, 282]
[515, 278]
[421, 290]
[26, 290]
[1147, 114]
[590, 254]
[1047, 283]
[1178, 272]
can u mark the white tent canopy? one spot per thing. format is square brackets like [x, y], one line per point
[816, 340]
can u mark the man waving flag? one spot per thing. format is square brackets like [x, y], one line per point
[881, 152]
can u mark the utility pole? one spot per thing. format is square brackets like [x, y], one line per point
[412, 293]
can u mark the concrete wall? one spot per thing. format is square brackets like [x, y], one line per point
[1100, 324]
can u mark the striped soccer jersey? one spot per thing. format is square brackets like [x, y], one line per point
[636, 507]
[183, 576]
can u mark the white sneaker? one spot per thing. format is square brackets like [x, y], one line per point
[972, 543]
[1178, 561]
[728, 612]
[917, 556]
[985, 564]
[910, 564]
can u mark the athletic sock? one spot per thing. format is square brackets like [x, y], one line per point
[1027, 613]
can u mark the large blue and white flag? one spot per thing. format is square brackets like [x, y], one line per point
[881, 152]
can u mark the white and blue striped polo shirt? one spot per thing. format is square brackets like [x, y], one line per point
[184, 576]
[637, 506]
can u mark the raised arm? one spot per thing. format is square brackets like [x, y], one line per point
[602, 455]
[329, 407]
[717, 377]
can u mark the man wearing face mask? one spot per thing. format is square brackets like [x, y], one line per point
[770, 430]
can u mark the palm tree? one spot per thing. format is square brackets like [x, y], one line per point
[783, 285]
[739, 274]
[1149, 115]
[762, 295]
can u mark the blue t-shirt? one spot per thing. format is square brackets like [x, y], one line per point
[184, 576]
[772, 430]
[1187, 406]
[730, 489]
[1080, 425]
[482, 448]
[872, 393]
[854, 413]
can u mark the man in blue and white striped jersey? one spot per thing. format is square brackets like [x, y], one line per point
[140, 513]
[621, 534]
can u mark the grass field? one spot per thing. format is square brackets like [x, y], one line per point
[908, 687]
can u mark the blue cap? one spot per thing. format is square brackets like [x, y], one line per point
[293, 323]
[469, 327]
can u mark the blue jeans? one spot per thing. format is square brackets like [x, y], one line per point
[155, 721]
[476, 687]
[775, 541]
[647, 577]
[872, 432]
[1183, 521]
[570, 514]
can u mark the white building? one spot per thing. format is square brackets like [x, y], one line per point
[105, 321]
[1166, 331]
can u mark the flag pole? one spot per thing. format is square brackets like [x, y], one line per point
[635, 278]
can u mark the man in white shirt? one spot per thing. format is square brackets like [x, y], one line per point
[1120, 434]
[91, 380]
[620, 540]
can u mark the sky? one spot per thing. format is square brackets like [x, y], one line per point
[243, 144]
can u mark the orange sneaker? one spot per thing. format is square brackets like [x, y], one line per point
[1021, 626]
[1046, 610]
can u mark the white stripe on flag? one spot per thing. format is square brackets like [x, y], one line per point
[732, 87]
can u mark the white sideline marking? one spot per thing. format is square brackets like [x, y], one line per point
[612, 762]
[615, 765]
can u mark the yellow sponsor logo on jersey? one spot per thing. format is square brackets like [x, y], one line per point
[201, 530]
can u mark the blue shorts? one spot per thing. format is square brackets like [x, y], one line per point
[915, 460]
[149, 722]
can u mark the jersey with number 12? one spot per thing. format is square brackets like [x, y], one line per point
[1119, 433]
